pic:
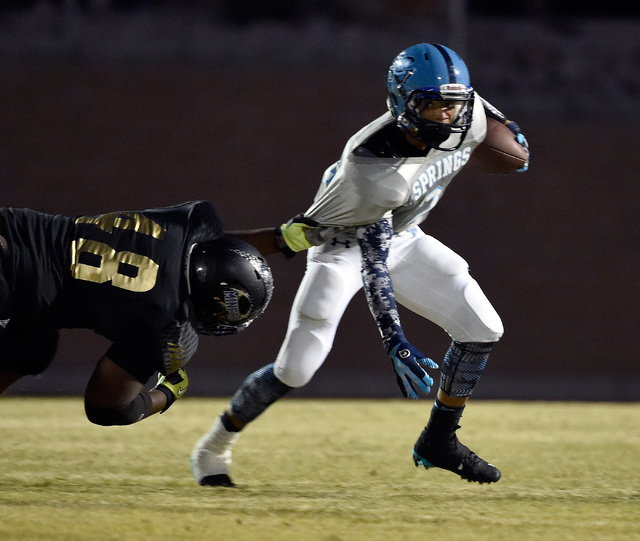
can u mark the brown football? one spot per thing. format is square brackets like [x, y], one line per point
[499, 152]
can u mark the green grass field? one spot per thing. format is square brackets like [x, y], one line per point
[319, 470]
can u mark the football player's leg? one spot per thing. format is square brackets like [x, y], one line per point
[7, 377]
[438, 444]
[8, 374]
[323, 295]
[435, 283]
[322, 298]
[25, 350]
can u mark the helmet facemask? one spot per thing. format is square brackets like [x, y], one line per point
[433, 133]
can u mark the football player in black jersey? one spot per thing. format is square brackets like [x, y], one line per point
[149, 281]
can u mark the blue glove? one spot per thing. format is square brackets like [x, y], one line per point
[515, 129]
[410, 365]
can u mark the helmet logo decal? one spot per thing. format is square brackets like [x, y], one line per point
[401, 72]
[454, 89]
[232, 298]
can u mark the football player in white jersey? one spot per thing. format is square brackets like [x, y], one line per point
[363, 229]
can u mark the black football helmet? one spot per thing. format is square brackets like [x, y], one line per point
[230, 284]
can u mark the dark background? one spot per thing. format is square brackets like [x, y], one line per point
[127, 105]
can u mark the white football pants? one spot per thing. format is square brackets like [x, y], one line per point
[428, 279]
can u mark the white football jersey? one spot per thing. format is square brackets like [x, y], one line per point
[357, 191]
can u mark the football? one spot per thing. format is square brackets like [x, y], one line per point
[499, 152]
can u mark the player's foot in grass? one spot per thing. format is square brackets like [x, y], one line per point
[445, 451]
[211, 457]
[210, 468]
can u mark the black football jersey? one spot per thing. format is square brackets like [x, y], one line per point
[122, 274]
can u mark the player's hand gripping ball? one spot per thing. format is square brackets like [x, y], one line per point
[504, 150]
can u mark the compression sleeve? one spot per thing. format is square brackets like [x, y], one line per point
[374, 241]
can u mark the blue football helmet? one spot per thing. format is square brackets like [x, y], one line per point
[418, 76]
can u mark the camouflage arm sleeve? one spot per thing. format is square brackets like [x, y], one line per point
[375, 240]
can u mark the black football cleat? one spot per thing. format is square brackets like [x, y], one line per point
[221, 480]
[446, 452]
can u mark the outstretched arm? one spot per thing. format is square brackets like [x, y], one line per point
[298, 234]
[263, 239]
[408, 362]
